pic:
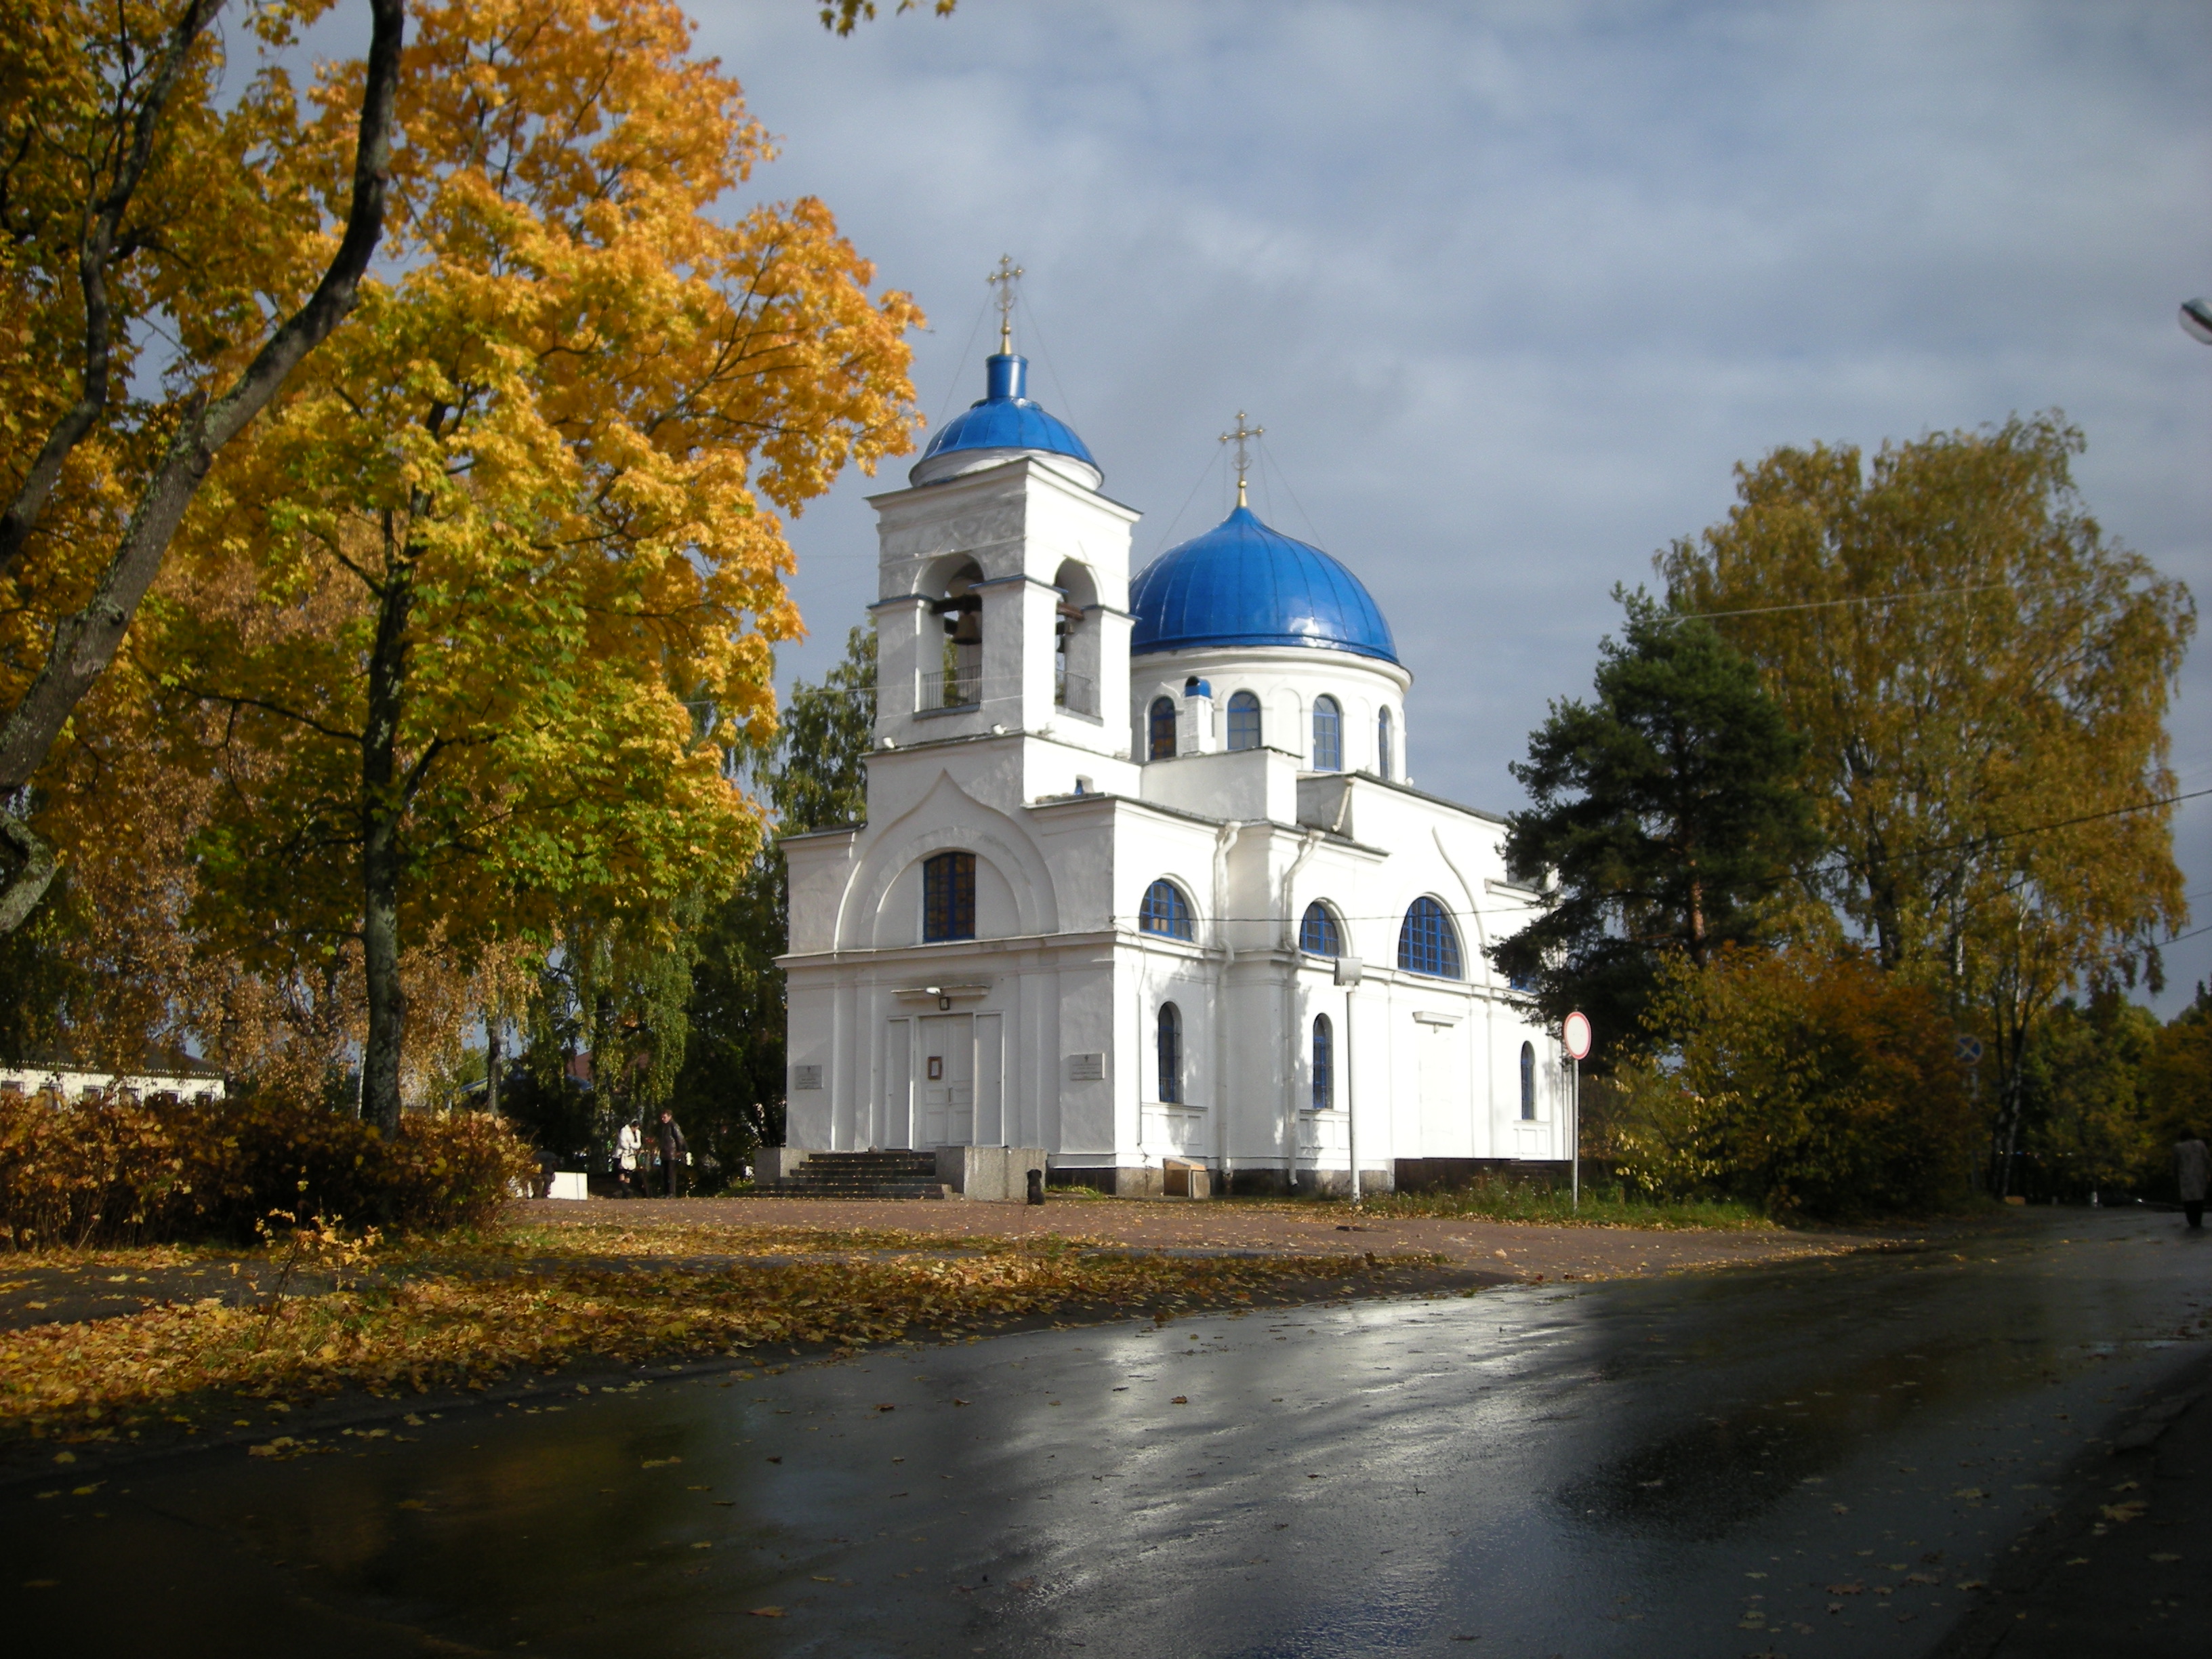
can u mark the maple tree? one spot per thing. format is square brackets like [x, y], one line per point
[139, 207]
[1983, 679]
[469, 629]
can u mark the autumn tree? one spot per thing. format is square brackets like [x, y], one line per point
[1801, 1080]
[729, 1094]
[1667, 809]
[453, 618]
[2086, 1102]
[154, 233]
[1983, 678]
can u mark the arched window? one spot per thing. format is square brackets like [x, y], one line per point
[1528, 1081]
[948, 897]
[1385, 765]
[1427, 943]
[1328, 736]
[1170, 1053]
[1318, 935]
[1163, 728]
[1165, 911]
[1243, 721]
[1324, 1064]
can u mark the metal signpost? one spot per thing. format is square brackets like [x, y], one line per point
[1575, 1034]
[1347, 976]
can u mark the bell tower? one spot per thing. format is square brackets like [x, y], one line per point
[1003, 582]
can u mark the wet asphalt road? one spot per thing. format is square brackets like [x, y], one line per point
[1805, 1460]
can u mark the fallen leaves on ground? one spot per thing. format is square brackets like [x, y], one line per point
[463, 1328]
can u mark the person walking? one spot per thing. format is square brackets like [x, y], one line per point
[629, 1152]
[2192, 1173]
[672, 1153]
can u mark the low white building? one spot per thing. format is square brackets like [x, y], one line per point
[1119, 838]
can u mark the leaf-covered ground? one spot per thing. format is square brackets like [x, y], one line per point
[462, 1318]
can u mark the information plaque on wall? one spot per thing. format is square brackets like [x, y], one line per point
[1086, 1068]
[805, 1076]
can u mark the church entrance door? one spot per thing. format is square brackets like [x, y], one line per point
[947, 1082]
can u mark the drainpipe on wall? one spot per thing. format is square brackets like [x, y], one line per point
[1310, 843]
[1222, 838]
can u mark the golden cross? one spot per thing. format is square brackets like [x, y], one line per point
[1004, 279]
[1242, 438]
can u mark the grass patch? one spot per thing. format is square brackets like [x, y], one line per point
[1608, 1206]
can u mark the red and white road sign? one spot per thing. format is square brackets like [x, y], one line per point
[1575, 1032]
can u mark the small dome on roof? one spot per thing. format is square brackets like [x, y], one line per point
[1005, 424]
[1241, 583]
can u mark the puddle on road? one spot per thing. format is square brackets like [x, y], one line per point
[1543, 1468]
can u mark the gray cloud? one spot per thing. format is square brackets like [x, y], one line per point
[1513, 288]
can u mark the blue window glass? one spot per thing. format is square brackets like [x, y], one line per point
[1170, 1047]
[1328, 736]
[1243, 721]
[1427, 943]
[1163, 728]
[1529, 1080]
[1324, 1064]
[948, 896]
[1521, 982]
[1165, 911]
[1317, 932]
[1385, 759]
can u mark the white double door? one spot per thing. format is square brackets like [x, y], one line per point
[945, 1081]
[945, 1091]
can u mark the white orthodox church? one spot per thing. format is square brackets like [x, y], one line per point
[1144, 882]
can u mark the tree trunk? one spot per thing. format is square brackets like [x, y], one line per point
[382, 803]
[491, 1063]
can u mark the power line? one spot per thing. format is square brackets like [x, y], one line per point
[1880, 598]
[1992, 840]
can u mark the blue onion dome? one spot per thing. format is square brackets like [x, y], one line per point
[1005, 424]
[1241, 583]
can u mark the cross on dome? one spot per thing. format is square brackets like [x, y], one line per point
[1242, 438]
[1004, 279]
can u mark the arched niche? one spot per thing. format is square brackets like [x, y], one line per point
[946, 819]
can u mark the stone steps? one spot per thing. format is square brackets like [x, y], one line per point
[865, 1175]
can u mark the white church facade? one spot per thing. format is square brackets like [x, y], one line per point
[1144, 882]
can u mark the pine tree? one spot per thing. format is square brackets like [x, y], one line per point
[1667, 812]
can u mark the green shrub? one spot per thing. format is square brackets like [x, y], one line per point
[1800, 1083]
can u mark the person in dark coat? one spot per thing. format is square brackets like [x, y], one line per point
[2192, 1173]
[671, 1142]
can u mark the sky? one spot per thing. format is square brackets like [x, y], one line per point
[1513, 288]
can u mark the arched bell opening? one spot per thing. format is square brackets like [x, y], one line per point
[959, 681]
[1075, 658]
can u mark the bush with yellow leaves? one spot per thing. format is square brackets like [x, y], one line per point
[115, 1170]
[1801, 1081]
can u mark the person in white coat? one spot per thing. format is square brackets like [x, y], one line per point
[629, 1147]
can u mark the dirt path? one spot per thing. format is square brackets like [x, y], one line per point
[1520, 1251]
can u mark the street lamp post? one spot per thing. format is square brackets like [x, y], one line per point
[1347, 975]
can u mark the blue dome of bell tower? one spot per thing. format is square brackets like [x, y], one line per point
[1244, 584]
[1005, 423]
